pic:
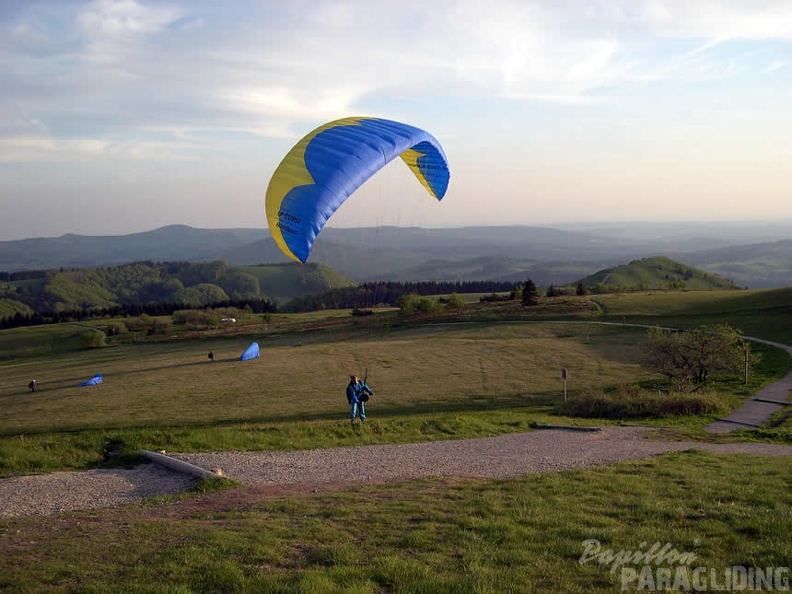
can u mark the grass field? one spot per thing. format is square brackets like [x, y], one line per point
[175, 383]
[164, 393]
[763, 313]
[431, 381]
[440, 535]
[154, 392]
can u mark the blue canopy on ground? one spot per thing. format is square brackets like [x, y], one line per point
[251, 352]
[97, 379]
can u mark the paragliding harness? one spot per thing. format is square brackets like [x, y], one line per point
[364, 397]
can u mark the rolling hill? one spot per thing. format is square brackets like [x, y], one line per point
[194, 285]
[657, 273]
[760, 265]
[756, 255]
[166, 244]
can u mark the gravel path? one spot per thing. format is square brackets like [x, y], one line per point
[762, 405]
[48, 494]
[495, 457]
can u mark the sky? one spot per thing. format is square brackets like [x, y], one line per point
[121, 116]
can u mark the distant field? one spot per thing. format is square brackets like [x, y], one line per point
[765, 313]
[306, 359]
[414, 369]
[485, 369]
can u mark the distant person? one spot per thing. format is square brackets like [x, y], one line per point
[357, 394]
[32, 385]
[211, 356]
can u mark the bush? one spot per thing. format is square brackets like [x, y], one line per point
[413, 303]
[92, 339]
[159, 327]
[148, 324]
[195, 318]
[688, 358]
[454, 301]
[632, 402]
[139, 323]
[494, 297]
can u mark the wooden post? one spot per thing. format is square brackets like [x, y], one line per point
[564, 377]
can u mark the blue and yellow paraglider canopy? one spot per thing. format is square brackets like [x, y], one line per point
[324, 168]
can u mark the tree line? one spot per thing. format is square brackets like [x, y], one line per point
[387, 293]
[128, 310]
[22, 275]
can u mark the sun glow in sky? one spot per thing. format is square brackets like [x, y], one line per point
[118, 116]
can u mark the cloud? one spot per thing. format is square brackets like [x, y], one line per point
[293, 103]
[124, 68]
[775, 65]
[719, 19]
[112, 18]
[16, 149]
[46, 148]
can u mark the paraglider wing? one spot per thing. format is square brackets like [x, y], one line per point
[251, 352]
[94, 381]
[324, 168]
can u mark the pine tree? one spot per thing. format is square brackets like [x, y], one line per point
[530, 293]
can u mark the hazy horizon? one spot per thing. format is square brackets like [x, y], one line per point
[783, 226]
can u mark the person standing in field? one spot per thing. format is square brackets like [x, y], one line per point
[357, 393]
[32, 385]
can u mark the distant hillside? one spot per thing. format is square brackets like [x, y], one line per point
[656, 273]
[166, 244]
[11, 307]
[496, 268]
[192, 284]
[548, 255]
[282, 282]
[758, 265]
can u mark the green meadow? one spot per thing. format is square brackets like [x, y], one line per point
[483, 371]
[765, 313]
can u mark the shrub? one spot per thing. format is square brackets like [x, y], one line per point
[494, 297]
[413, 303]
[159, 326]
[139, 323]
[195, 318]
[454, 301]
[92, 339]
[148, 324]
[632, 402]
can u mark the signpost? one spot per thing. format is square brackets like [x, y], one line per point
[564, 377]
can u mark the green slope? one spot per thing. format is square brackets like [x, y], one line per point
[656, 273]
[193, 284]
[282, 282]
